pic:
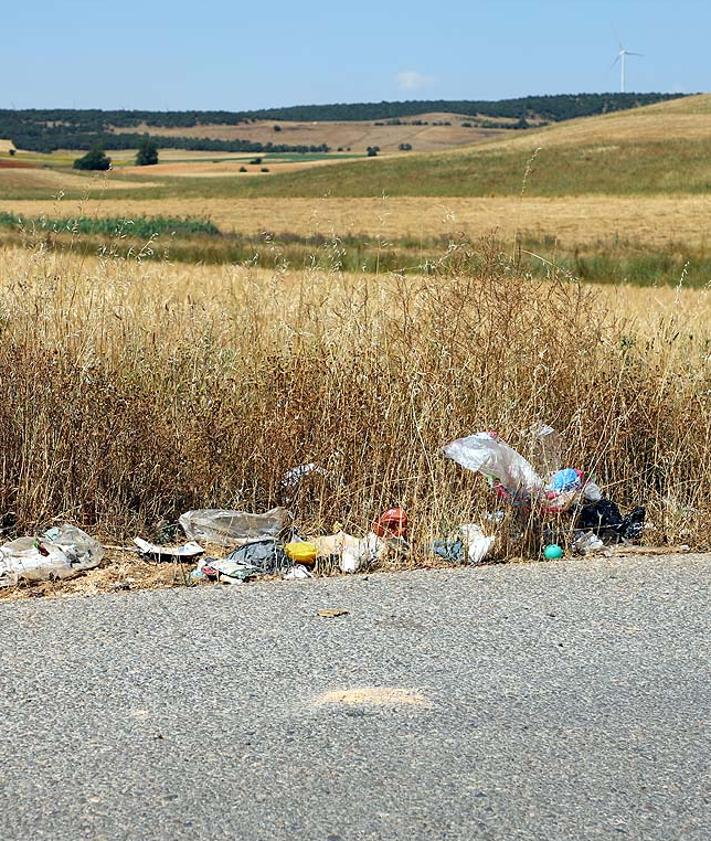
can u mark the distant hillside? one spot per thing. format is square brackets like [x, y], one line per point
[551, 108]
[51, 129]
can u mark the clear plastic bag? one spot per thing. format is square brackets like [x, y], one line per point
[487, 454]
[233, 528]
[61, 552]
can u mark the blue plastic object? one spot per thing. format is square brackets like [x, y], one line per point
[565, 480]
[552, 552]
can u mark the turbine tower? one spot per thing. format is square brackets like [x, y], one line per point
[621, 58]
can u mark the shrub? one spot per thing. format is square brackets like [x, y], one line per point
[147, 154]
[95, 159]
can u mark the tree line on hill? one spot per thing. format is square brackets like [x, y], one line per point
[109, 140]
[45, 130]
[554, 108]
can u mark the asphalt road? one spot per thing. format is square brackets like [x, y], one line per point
[567, 700]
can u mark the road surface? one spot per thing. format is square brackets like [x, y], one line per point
[566, 700]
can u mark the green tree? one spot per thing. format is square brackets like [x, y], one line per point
[147, 154]
[94, 159]
[373, 151]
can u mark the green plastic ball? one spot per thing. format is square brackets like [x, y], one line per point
[552, 552]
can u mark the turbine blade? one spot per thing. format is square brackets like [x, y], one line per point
[629, 53]
[615, 61]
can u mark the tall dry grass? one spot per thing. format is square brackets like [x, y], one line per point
[130, 391]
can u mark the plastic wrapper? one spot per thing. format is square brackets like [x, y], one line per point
[468, 545]
[233, 528]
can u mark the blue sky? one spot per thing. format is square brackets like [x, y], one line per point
[162, 54]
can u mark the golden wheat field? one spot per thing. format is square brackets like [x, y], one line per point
[132, 391]
[571, 220]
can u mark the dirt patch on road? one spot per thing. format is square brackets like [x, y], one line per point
[381, 696]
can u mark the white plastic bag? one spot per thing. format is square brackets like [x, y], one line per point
[477, 545]
[61, 552]
[233, 528]
[485, 453]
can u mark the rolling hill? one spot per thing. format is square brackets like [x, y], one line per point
[661, 148]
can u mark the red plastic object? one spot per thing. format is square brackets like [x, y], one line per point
[391, 523]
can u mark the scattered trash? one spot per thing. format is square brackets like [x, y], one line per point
[159, 553]
[353, 553]
[61, 552]
[566, 492]
[391, 523]
[232, 572]
[587, 543]
[477, 545]
[469, 545]
[297, 572]
[232, 528]
[604, 519]
[293, 477]
[267, 556]
[302, 552]
[547, 448]
[486, 453]
[331, 612]
[568, 507]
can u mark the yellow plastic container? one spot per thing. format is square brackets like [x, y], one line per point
[302, 553]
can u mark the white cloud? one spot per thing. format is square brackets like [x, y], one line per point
[411, 80]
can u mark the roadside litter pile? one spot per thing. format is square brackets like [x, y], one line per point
[559, 508]
[564, 508]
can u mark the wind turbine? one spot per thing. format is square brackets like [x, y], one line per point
[621, 58]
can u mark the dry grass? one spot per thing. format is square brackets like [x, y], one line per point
[133, 391]
[653, 221]
[49, 182]
[199, 168]
[677, 119]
